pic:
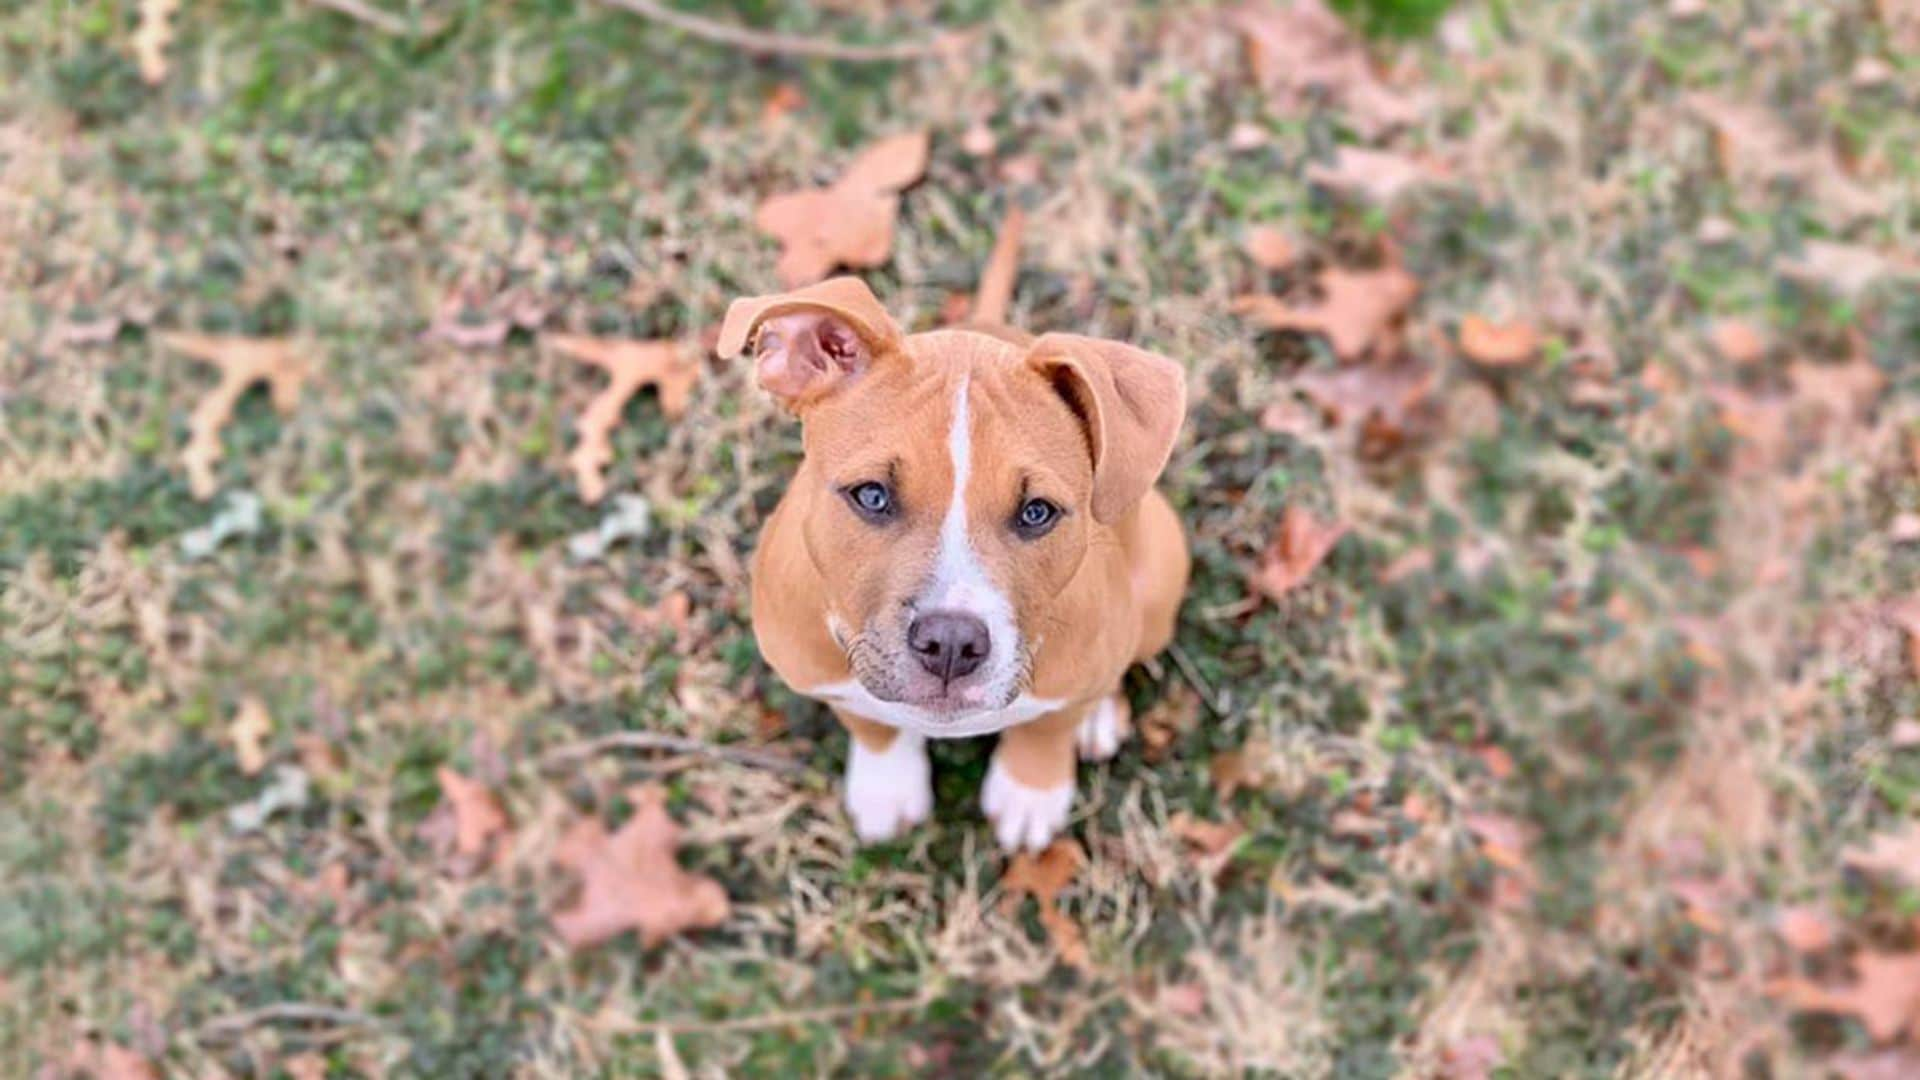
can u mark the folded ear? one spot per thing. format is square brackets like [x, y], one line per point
[811, 340]
[1132, 403]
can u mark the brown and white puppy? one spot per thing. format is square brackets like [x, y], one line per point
[972, 544]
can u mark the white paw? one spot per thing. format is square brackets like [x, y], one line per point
[888, 792]
[1103, 730]
[1023, 817]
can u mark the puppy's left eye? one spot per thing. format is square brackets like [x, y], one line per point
[1036, 517]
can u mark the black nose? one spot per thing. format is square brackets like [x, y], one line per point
[948, 644]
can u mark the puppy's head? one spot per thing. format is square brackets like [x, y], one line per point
[953, 482]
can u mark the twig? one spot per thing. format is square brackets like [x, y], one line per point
[762, 43]
[291, 1011]
[1192, 675]
[383, 21]
[679, 744]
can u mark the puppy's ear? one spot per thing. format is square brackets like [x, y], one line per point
[811, 340]
[1132, 403]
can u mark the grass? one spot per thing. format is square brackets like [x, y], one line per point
[1663, 663]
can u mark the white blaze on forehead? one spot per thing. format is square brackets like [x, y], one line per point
[960, 582]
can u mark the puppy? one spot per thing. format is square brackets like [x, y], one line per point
[972, 545]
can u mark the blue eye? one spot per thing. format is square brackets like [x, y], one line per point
[1036, 517]
[871, 499]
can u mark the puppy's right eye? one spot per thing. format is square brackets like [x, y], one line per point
[871, 500]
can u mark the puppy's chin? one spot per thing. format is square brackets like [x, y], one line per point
[950, 702]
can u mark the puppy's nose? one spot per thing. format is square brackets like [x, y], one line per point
[949, 644]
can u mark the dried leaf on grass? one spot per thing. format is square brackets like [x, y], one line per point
[1805, 929]
[242, 362]
[151, 36]
[1302, 49]
[1896, 854]
[632, 365]
[1270, 248]
[1376, 177]
[1042, 877]
[997, 278]
[1356, 308]
[1379, 401]
[632, 879]
[1885, 997]
[249, 730]
[1302, 543]
[478, 817]
[1498, 344]
[849, 223]
[1208, 837]
[1738, 341]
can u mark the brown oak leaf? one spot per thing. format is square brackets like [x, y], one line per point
[1300, 50]
[1738, 341]
[1302, 543]
[1270, 248]
[849, 223]
[1356, 307]
[1895, 853]
[632, 365]
[1498, 344]
[1381, 402]
[632, 879]
[478, 817]
[242, 362]
[1043, 876]
[1377, 177]
[1885, 997]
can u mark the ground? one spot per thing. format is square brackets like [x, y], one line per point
[1534, 775]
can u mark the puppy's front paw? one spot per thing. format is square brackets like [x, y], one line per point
[888, 791]
[1103, 730]
[1024, 818]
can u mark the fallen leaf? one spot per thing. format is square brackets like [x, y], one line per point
[1042, 877]
[151, 36]
[1904, 529]
[1232, 770]
[1884, 998]
[1379, 401]
[978, 140]
[1499, 763]
[1377, 177]
[632, 365]
[1269, 248]
[1302, 50]
[1165, 721]
[1895, 853]
[632, 880]
[1905, 734]
[1355, 308]
[1754, 144]
[995, 294]
[1498, 344]
[1210, 837]
[1302, 543]
[1805, 929]
[1847, 269]
[478, 816]
[849, 223]
[1739, 342]
[249, 730]
[242, 362]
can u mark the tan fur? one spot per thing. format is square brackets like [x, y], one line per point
[1092, 596]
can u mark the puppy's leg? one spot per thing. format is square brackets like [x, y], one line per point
[1106, 725]
[889, 783]
[1029, 787]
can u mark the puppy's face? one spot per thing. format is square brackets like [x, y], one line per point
[953, 483]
